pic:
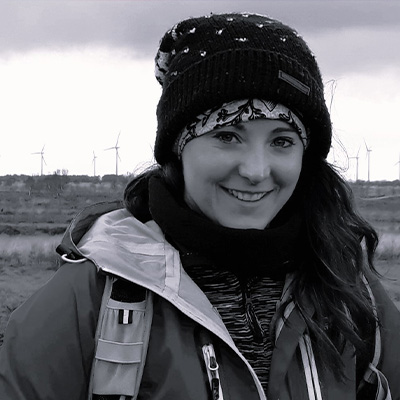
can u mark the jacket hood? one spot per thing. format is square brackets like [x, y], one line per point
[117, 243]
[81, 223]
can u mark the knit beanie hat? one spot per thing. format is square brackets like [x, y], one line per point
[205, 62]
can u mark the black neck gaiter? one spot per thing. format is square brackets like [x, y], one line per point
[273, 251]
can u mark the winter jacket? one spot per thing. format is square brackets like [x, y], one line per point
[50, 342]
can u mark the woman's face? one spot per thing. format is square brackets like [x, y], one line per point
[241, 176]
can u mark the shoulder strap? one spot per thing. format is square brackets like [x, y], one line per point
[373, 375]
[122, 338]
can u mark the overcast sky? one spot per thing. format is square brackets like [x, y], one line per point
[74, 74]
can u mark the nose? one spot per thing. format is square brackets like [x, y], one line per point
[255, 166]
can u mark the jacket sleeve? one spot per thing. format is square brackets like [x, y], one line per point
[49, 342]
[389, 318]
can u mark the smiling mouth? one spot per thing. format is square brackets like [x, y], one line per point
[250, 197]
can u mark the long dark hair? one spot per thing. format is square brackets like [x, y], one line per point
[330, 276]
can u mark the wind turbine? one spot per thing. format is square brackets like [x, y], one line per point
[116, 147]
[368, 155]
[41, 159]
[398, 163]
[356, 158]
[94, 163]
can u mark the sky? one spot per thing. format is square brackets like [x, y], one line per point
[78, 75]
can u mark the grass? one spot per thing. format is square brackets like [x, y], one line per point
[26, 263]
[27, 249]
[31, 226]
[387, 261]
[389, 247]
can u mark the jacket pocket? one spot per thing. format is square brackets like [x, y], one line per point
[121, 348]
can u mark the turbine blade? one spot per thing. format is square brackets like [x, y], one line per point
[116, 144]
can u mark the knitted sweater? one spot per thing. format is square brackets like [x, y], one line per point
[247, 308]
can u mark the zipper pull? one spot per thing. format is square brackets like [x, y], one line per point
[212, 371]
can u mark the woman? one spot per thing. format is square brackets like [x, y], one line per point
[236, 269]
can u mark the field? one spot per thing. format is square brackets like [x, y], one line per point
[34, 213]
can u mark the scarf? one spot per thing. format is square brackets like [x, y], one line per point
[273, 251]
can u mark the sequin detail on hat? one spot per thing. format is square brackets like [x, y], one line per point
[233, 113]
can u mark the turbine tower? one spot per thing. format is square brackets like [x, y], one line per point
[368, 155]
[42, 160]
[116, 147]
[94, 163]
[356, 158]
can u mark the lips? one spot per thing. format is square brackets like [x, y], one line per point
[247, 196]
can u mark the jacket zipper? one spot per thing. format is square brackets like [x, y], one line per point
[212, 372]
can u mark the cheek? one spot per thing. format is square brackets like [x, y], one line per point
[191, 182]
[202, 165]
[288, 172]
[296, 165]
[194, 176]
[295, 172]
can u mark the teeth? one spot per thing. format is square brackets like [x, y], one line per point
[246, 196]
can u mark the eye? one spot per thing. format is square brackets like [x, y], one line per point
[227, 137]
[283, 141]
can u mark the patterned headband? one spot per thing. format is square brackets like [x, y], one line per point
[235, 112]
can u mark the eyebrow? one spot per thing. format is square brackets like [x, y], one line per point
[279, 129]
[239, 126]
[284, 129]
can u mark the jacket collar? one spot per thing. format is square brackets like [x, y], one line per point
[121, 245]
[82, 223]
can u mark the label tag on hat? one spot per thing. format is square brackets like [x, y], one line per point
[294, 82]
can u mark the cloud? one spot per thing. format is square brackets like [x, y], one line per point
[27, 25]
[356, 49]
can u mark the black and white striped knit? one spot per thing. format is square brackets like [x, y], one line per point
[226, 293]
